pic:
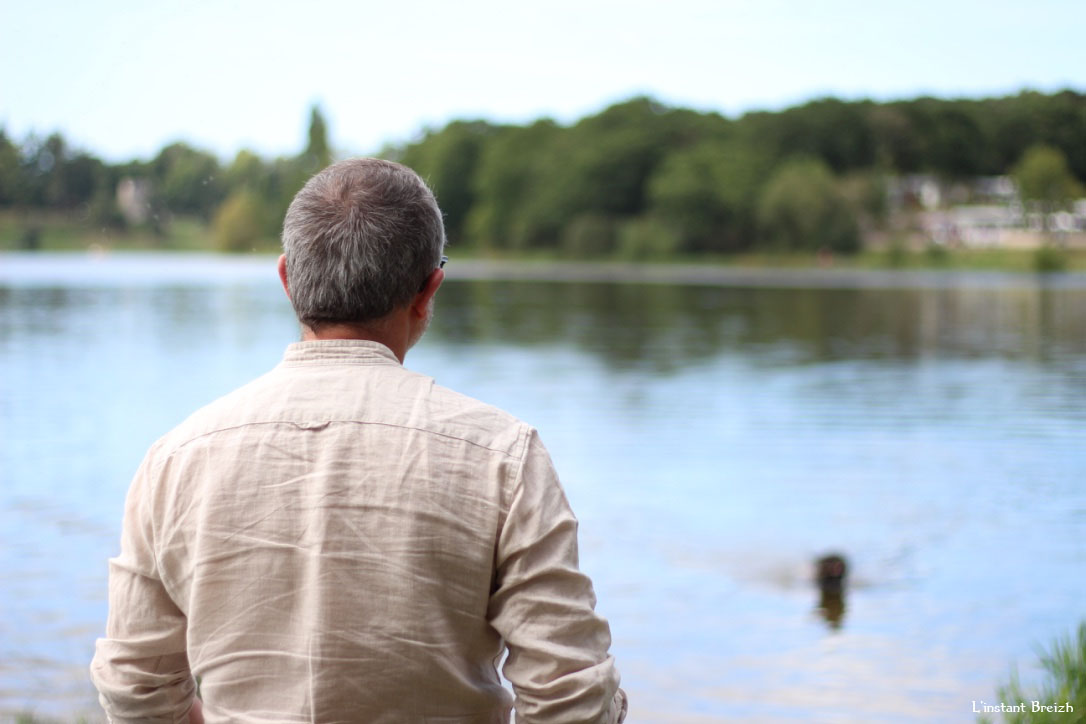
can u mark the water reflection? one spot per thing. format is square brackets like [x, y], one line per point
[660, 328]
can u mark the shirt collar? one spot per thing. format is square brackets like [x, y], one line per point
[338, 351]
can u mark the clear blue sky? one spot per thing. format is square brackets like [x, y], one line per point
[122, 78]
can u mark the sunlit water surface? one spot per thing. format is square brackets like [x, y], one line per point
[712, 439]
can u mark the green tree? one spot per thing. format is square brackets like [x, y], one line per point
[802, 207]
[318, 152]
[608, 159]
[1011, 127]
[247, 171]
[590, 235]
[897, 145]
[283, 179]
[1043, 176]
[239, 224]
[53, 174]
[187, 180]
[103, 211]
[835, 131]
[51, 157]
[507, 180]
[83, 176]
[707, 194]
[602, 165]
[866, 195]
[48, 173]
[957, 146]
[647, 237]
[1013, 124]
[448, 159]
[10, 170]
[1061, 121]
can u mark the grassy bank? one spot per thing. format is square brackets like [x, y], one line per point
[53, 231]
[1062, 693]
[37, 231]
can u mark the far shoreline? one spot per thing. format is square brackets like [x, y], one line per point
[713, 274]
[148, 267]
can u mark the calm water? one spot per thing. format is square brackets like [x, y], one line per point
[713, 440]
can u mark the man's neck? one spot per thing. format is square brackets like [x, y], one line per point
[392, 335]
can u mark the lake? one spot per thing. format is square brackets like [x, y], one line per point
[715, 431]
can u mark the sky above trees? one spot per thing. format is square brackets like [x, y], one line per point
[123, 78]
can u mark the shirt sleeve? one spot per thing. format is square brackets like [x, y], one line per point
[543, 606]
[141, 667]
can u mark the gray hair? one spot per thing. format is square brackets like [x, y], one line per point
[360, 238]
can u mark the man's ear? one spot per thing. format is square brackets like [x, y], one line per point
[421, 303]
[283, 273]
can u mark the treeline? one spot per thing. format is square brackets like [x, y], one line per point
[638, 179]
[643, 179]
[242, 202]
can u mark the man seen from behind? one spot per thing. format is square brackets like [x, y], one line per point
[342, 540]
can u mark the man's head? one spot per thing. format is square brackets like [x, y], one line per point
[361, 239]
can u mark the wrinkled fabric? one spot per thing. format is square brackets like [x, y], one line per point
[342, 540]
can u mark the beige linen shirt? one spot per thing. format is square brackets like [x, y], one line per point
[342, 540]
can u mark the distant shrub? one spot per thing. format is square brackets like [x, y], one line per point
[897, 255]
[238, 224]
[30, 238]
[803, 207]
[1043, 175]
[589, 235]
[1049, 258]
[647, 238]
[937, 254]
[104, 212]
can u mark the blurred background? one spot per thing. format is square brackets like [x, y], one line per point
[775, 282]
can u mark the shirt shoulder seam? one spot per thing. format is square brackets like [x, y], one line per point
[508, 453]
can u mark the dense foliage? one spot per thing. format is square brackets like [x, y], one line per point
[638, 179]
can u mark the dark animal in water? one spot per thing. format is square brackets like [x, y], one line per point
[830, 573]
